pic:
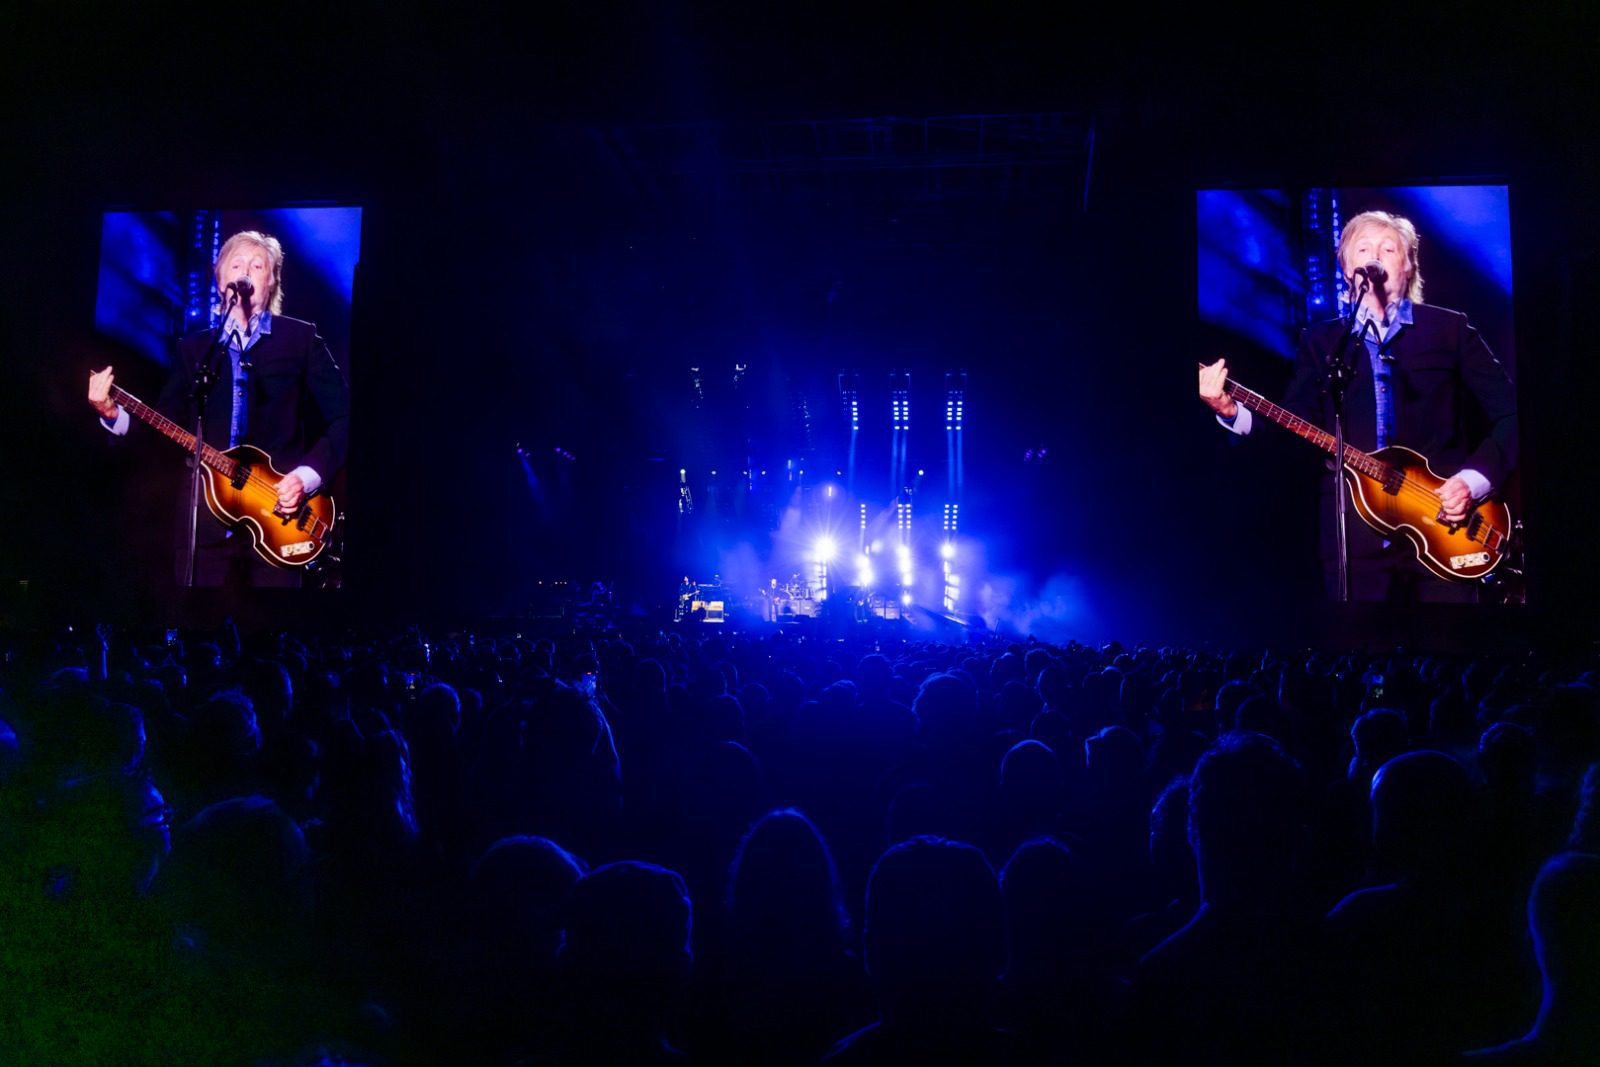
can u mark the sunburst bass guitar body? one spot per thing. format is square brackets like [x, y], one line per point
[250, 501]
[1403, 501]
[241, 490]
[1395, 492]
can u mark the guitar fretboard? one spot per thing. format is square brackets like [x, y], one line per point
[1354, 458]
[210, 456]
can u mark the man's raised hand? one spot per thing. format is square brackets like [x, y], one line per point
[1212, 380]
[100, 393]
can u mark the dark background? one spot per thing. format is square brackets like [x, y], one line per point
[566, 206]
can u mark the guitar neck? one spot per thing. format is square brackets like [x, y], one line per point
[210, 456]
[1354, 458]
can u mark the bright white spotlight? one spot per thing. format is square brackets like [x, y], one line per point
[905, 598]
[823, 550]
[947, 550]
[903, 554]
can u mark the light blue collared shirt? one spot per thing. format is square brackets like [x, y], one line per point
[1378, 334]
[260, 326]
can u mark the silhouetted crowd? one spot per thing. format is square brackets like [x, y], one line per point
[727, 849]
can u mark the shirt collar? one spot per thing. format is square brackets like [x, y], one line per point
[260, 325]
[1398, 314]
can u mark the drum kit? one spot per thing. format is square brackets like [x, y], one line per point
[793, 599]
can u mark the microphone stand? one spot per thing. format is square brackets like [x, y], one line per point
[1340, 372]
[206, 373]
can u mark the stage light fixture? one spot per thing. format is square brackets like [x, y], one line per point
[947, 550]
[823, 550]
[905, 599]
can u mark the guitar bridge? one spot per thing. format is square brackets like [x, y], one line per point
[299, 516]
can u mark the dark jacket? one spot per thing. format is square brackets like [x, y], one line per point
[299, 411]
[1454, 402]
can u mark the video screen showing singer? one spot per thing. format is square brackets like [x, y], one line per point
[276, 411]
[1421, 378]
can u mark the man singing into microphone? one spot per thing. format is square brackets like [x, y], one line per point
[277, 388]
[1423, 378]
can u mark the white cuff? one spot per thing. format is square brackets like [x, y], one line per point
[310, 478]
[1240, 424]
[118, 425]
[1477, 483]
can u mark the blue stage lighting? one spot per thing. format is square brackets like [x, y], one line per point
[947, 550]
[824, 549]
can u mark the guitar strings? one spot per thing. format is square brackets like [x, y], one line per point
[313, 522]
[1419, 493]
[1432, 501]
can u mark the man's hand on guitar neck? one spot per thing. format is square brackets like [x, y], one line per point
[1212, 380]
[100, 394]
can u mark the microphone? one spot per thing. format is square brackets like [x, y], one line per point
[1373, 272]
[242, 289]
